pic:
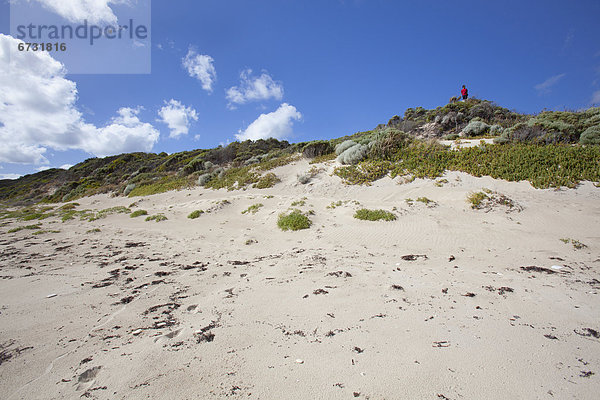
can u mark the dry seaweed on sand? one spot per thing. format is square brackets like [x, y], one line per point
[414, 257]
[588, 332]
[533, 268]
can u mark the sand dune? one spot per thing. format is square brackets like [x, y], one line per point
[446, 302]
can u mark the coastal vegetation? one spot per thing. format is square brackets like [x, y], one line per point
[548, 149]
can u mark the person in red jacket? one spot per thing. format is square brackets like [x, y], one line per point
[464, 92]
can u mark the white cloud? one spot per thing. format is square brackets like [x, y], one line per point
[277, 124]
[178, 117]
[38, 112]
[200, 66]
[76, 11]
[596, 98]
[65, 166]
[125, 134]
[547, 85]
[10, 176]
[255, 88]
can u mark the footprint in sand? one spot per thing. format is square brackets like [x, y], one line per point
[168, 336]
[86, 380]
[193, 309]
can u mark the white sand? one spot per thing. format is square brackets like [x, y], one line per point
[274, 338]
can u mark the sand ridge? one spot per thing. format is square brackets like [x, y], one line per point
[446, 302]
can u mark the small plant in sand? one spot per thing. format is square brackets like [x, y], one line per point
[293, 221]
[195, 214]
[335, 204]
[299, 203]
[95, 230]
[267, 181]
[576, 243]
[305, 178]
[20, 228]
[157, 218]
[41, 232]
[488, 199]
[268, 196]
[476, 199]
[69, 206]
[425, 200]
[253, 209]
[441, 182]
[138, 213]
[374, 215]
[106, 212]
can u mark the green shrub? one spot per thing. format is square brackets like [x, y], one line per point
[496, 130]
[501, 140]
[475, 128]
[253, 208]
[354, 154]
[317, 149]
[128, 189]
[138, 213]
[476, 199]
[267, 181]
[204, 179]
[157, 218]
[195, 214]
[294, 221]
[342, 147]
[374, 215]
[164, 184]
[591, 135]
[234, 178]
[483, 110]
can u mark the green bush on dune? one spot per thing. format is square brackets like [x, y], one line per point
[591, 135]
[157, 218]
[293, 221]
[374, 215]
[138, 213]
[195, 214]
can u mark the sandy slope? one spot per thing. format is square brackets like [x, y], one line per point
[227, 305]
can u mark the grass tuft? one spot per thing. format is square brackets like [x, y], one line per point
[267, 181]
[138, 213]
[157, 218]
[253, 209]
[374, 215]
[195, 214]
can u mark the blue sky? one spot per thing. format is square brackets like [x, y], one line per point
[297, 70]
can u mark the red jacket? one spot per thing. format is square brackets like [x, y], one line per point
[464, 92]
